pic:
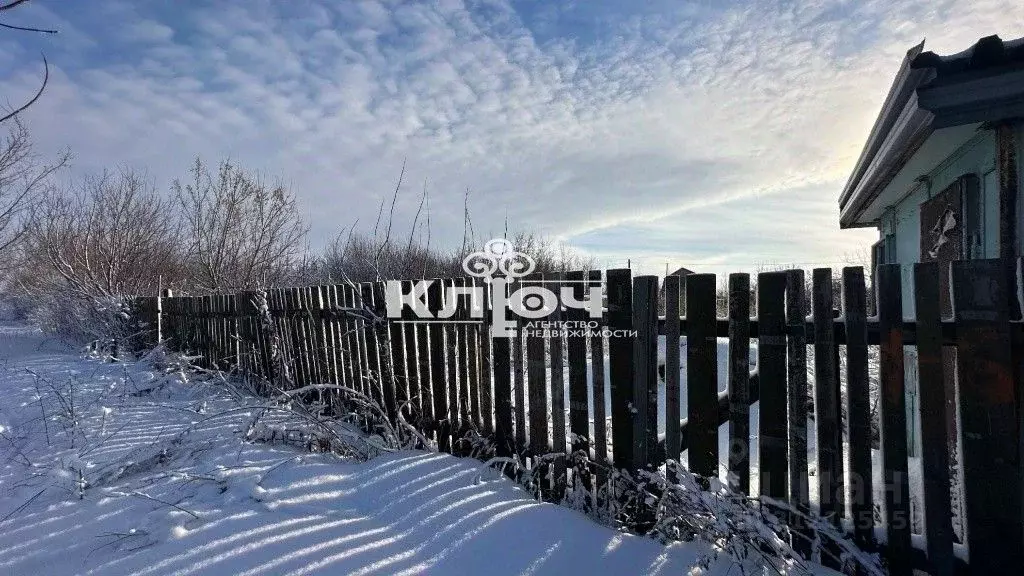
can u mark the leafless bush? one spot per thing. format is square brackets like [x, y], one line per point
[88, 251]
[22, 181]
[240, 233]
[361, 258]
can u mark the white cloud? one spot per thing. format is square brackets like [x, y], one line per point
[682, 118]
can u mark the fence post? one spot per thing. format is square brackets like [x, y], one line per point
[799, 494]
[989, 407]
[894, 420]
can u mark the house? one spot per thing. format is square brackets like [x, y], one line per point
[940, 174]
[661, 291]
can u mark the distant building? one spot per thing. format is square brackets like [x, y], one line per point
[661, 291]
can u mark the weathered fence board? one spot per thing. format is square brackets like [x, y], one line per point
[645, 371]
[576, 358]
[702, 376]
[858, 406]
[799, 494]
[989, 408]
[739, 381]
[827, 400]
[672, 366]
[620, 365]
[773, 433]
[597, 384]
[935, 444]
[894, 421]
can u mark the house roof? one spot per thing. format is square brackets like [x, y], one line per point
[984, 83]
[682, 272]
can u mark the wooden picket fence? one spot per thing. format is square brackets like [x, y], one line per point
[531, 395]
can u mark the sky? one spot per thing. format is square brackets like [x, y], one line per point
[712, 135]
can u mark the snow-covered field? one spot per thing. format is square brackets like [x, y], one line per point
[116, 469]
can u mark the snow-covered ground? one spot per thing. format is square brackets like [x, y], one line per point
[117, 469]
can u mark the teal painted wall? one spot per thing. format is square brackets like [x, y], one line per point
[977, 156]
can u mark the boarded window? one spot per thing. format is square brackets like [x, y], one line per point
[943, 224]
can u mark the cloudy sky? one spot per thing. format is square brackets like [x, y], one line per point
[711, 134]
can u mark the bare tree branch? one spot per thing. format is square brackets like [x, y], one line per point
[46, 78]
[27, 29]
[11, 4]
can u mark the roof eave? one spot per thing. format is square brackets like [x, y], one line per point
[906, 82]
[909, 132]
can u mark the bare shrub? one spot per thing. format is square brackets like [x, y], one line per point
[22, 181]
[88, 251]
[240, 233]
[362, 258]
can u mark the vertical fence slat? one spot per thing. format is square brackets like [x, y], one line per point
[472, 332]
[989, 416]
[598, 391]
[388, 374]
[773, 463]
[295, 318]
[314, 344]
[557, 388]
[797, 403]
[536, 378]
[327, 320]
[739, 382]
[672, 416]
[934, 442]
[399, 388]
[453, 356]
[620, 360]
[501, 360]
[894, 420]
[413, 397]
[340, 325]
[576, 352]
[487, 368]
[827, 400]
[426, 388]
[858, 406]
[799, 494]
[518, 379]
[438, 384]
[701, 375]
[462, 351]
[645, 374]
